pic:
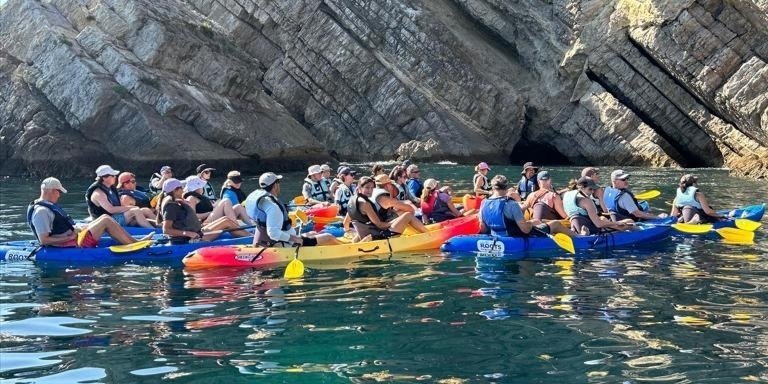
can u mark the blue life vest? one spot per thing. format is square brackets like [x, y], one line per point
[687, 198]
[492, 212]
[571, 204]
[321, 190]
[112, 196]
[525, 186]
[142, 198]
[612, 195]
[237, 191]
[252, 207]
[61, 220]
[415, 186]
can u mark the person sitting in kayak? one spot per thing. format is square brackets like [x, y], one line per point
[343, 191]
[180, 222]
[326, 178]
[415, 186]
[315, 190]
[545, 203]
[52, 226]
[102, 198]
[690, 204]
[480, 181]
[371, 212]
[273, 226]
[621, 202]
[208, 211]
[598, 197]
[502, 216]
[205, 173]
[384, 182]
[157, 179]
[231, 189]
[130, 196]
[399, 178]
[582, 212]
[436, 206]
[527, 183]
[378, 169]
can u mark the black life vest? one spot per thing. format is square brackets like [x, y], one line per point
[204, 204]
[62, 223]
[112, 196]
[141, 198]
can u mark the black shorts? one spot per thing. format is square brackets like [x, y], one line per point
[543, 230]
[308, 241]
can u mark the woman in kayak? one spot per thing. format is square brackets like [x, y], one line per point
[545, 203]
[436, 206]
[206, 210]
[480, 181]
[690, 205]
[582, 212]
[370, 212]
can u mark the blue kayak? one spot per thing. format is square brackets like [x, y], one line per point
[750, 212]
[164, 253]
[500, 246]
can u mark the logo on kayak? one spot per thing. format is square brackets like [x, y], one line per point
[17, 255]
[490, 247]
[249, 257]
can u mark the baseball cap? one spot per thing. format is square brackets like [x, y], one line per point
[165, 168]
[171, 184]
[235, 177]
[430, 183]
[268, 178]
[204, 167]
[52, 183]
[499, 182]
[543, 175]
[314, 169]
[483, 165]
[125, 177]
[344, 170]
[194, 183]
[689, 179]
[619, 174]
[586, 182]
[104, 170]
[528, 165]
[589, 171]
[412, 168]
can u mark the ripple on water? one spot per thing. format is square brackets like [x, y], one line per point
[45, 326]
[74, 376]
[19, 360]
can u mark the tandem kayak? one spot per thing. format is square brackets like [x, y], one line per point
[750, 212]
[161, 253]
[500, 246]
[249, 256]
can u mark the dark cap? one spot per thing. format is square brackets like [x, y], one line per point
[344, 170]
[543, 175]
[204, 167]
[499, 182]
[688, 179]
[528, 165]
[586, 182]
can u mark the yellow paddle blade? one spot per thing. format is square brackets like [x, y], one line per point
[735, 235]
[564, 241]
[693, 228]
[748, 225]
[301, 215]
[294, 269]
[457, 200]
[81, 236]
[139, 245]
[647, 195]
[299, 200]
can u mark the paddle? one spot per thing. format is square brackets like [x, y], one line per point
[747, 224]
[295, 268]
[141, 244]
[562, 240]
[647, 195]
[733, 235]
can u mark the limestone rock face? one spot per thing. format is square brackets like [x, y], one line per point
[258, 84]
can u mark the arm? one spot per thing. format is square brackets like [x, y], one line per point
[627, 203]
[400, 206]
[275, 224]
[99, 198]
[514, 195]
[368, 211]
[170, 213]
[450, 205]
[559, 206]
[705, 205]
[192, 201]
[599, 221]
[347, 222]
[479, 187]
[43, 223]
[127, 201]
[600, 193]
[529, 201]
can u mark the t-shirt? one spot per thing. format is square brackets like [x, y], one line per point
[512, 211]
[628, 203]
[182, 215]
[42, 219]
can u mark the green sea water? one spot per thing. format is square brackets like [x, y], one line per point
[688, 309]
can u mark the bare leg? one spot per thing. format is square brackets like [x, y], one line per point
[242, 214]
[221, 224]
[105, 223]
[223, 208]
[136, 216]
[399, 224]
[326, 239]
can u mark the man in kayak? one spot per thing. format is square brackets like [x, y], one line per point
[528, 182]
[621, 202]
[315, 190]
[582, 212]
[690, 205]
[102, 198]
[372, 211]
[180, 222]
[502, 216]
[53, 226]
[273, 226]
[157, 179]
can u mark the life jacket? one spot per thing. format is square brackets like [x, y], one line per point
[209, 192]
[155, 176]
[435, 208]
[320, 190]
[112, 196]
[612, 196]
[419, 186]
[526, 186]
[385, 214]
[238, 192]
[687, 198]
[186, 221]
[203, 205]
[254, 210]
[571, 204]
[343, 201]
[61, 220]
[486, 185]
[361, 221]
[141, 198]
[401, 194]
[334, 186]
[492, 213]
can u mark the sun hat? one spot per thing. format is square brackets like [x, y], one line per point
[543, 175]
[314, 169]
[430, 183]
[194, 183]
[235, 177]
[483, 165]
[325, 167]
[51, 183]
[528, 165]
[383, 179]
[344, 170]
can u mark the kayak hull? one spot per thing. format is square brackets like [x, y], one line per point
[501, 246]
[250, 256]
[750, 212]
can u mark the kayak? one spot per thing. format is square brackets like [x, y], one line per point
[499, 246]
[750, 212]
[329, 211]
[22, 250]
[472, 201]
[249, 256]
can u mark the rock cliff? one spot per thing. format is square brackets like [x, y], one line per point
[260, 84]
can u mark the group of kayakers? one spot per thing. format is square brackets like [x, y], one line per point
[376, 206]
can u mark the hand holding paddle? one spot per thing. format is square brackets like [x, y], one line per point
[295, 268]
